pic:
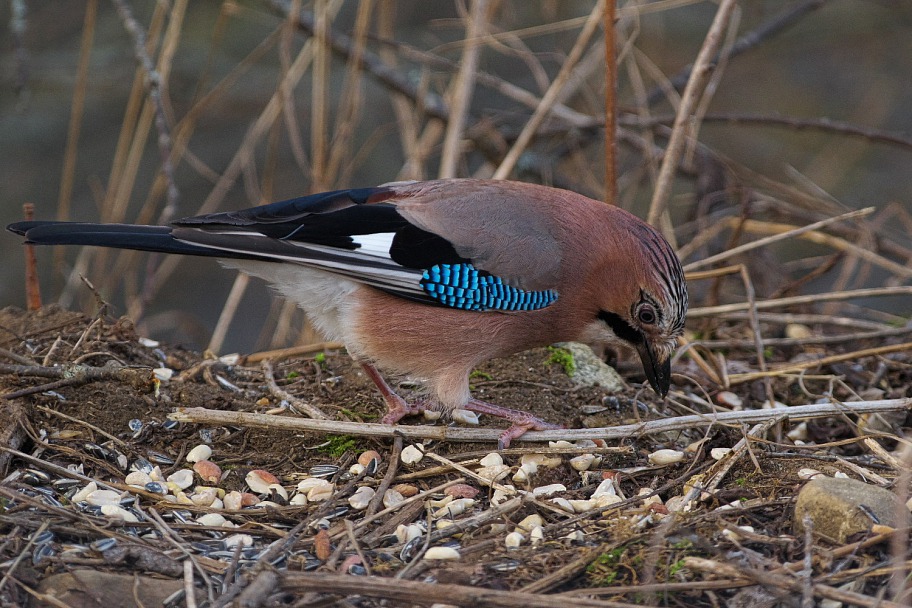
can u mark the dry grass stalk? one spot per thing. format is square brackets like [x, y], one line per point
[463, 86]
[544, 108]
[689, 100]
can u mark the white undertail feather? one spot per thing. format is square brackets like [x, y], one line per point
[326, 298]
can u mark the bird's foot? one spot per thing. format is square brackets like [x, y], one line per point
[398, 408]
[522, 421]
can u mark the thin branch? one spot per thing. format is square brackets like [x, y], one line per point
[765, 31]
[775, 238]
[777, 120]
[551, 95]
[219, 417]
[153, 86]
[708, 311]
[463, 89]
[610, 103]
[695, 85]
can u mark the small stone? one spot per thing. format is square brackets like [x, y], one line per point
[494, 472]
[466, 417]
[162, 374]
[606, 500]
[839, 508]
[502, 495]
[259, 480]
[808, 473]
[103, 497]
[405, 533]
[591, 370]
[181, 479]
[461, 490]
[796, 331]
[232, 500]
[243, 540]
[212, 519]
[320, 493]
[208, 471]
[529, 522]
[82, 494]
[605, 488]
[361, 498]
[138, 479]
[665, 457]
[799, 433]
[581, 506]
[276, 489]
[431, 415]
[563, 503]
[549, 489]
[491, 460]
[407, 490]
[534, 461]
[204, 497]
[537, 535]
[366, 457]
[729, 399]
[392, 498]
[514, 540]
[582, 462]
[411, 454]
[436, 503]
[116, 512]
[455, 507]
[200, 452]
[719, 453]
[441, 553]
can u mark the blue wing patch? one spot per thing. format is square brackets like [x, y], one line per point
[465, 287]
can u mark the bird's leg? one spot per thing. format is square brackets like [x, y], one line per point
[398, 408]
[522, 421]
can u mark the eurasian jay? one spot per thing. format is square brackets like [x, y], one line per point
[432, 278]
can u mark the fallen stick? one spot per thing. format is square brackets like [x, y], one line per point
[200, 415]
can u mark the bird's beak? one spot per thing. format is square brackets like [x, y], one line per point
[658, 372]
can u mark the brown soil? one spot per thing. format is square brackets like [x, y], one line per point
[63, 423]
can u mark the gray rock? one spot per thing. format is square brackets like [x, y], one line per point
[94, 589]
[590, 370]
[838, 508]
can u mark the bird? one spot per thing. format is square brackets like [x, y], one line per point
[429, 279]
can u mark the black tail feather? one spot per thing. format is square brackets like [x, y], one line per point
[121, 236]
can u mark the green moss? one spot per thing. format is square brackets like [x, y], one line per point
[336, 445]
[562, 357]
[477, 373]
[603, 569]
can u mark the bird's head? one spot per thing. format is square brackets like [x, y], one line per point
[645, 306]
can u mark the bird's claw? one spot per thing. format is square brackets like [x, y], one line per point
[520, 426]
[398, 408]
[522, 421]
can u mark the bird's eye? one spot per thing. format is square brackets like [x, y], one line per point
[646, 315]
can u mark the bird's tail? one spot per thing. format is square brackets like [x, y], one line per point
[121, 236]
